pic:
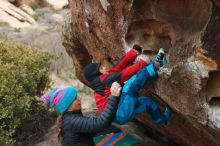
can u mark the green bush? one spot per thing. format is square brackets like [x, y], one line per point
[23, 77]
[34, 5]
[4, 24]
[36, 16]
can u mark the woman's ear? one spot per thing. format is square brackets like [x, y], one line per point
[79, 99]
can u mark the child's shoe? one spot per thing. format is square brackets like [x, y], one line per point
[160, 56]
[167, 114]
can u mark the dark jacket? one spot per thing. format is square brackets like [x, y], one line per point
[101, 83]
[78, 130]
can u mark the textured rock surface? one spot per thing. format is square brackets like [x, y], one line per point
[21, 2]
[14, 16]
[54, 4]
[57, 4]
[190, 33]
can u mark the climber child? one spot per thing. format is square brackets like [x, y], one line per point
[102, 75]
[76, 129]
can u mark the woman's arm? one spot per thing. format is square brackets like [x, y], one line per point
[98, 124]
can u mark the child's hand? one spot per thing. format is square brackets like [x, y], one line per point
[137, 49]
[115, 89]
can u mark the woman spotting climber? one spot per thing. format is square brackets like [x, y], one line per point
[76, 129]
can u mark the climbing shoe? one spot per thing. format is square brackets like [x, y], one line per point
[160, 56]
[167, 114]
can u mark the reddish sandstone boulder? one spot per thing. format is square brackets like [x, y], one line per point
[190, 33]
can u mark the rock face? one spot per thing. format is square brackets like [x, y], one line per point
[14, 16]
[22, 2]
[54, 4]
[20, 13]
[190, 33]
[57, 4]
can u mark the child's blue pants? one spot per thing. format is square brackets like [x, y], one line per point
[131, 105]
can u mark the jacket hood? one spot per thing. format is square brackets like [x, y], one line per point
[91, 71]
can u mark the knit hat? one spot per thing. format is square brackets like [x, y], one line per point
[60, 98]
[91, 71]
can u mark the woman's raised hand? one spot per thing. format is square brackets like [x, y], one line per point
[116, 89]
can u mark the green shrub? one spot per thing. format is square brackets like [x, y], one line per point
[4, 24]
[36, 16]
[17, 29]
[34, 5]
[23, 77]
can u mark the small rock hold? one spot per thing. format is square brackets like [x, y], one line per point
[217, 120]
[27, 9]
[105, 4]
[87, 25]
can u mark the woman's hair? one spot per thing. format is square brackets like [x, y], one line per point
[59, 124]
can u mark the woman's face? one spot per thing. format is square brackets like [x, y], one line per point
[76, 105]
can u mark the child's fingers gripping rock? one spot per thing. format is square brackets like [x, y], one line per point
[115, 89]
[137, 48]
